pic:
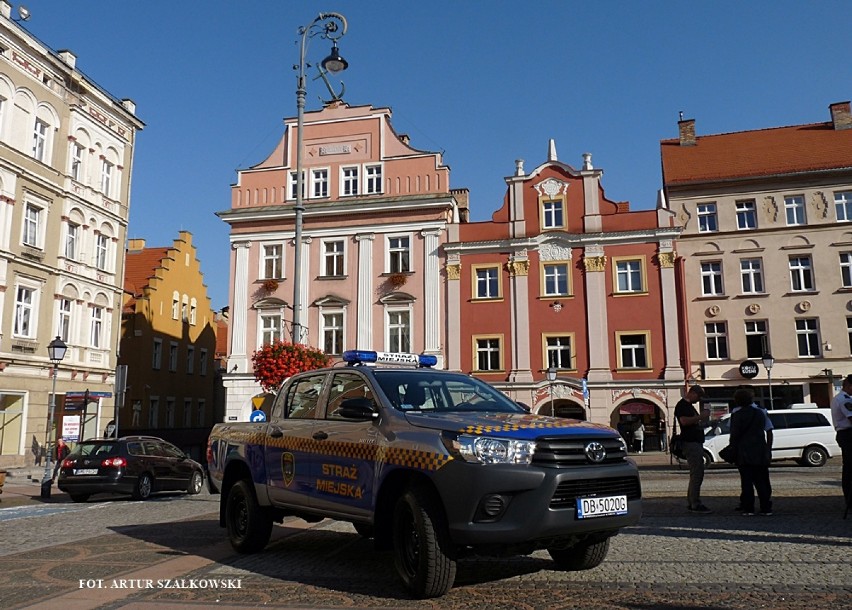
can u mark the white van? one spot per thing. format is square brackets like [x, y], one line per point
[802, 434]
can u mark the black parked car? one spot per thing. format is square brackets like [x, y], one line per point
[136, 465]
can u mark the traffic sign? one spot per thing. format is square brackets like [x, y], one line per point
[257, 416]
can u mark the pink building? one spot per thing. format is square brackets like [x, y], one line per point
[563, 277]
[376, 215]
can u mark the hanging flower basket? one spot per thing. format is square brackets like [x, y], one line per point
[397, 280]
[270, 285]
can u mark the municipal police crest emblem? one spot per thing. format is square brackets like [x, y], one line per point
[288, 467]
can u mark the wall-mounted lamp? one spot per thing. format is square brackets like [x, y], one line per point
[826, 346]
[23, 13]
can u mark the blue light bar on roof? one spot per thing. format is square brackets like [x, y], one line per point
[361, 356]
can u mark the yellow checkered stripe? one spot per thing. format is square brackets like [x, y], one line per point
[511, 427]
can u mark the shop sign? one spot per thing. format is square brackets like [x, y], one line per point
[748, 369]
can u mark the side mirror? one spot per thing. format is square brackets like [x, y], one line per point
[361, 409]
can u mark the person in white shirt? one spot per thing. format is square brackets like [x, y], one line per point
[639, 436]
[841, 416]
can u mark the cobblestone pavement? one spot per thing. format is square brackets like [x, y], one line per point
[797, 558]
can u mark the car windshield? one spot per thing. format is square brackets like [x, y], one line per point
[441, 392]
[96, 449]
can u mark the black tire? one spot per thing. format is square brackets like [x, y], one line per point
[814, 456]
[422, 553]
[583, 556]
[249, 525]
[144, 487]
[363, 529]
[196, 482]
[708, 459]
[79, 497]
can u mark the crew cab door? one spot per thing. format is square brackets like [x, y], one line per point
[289, 443]
[344, 471]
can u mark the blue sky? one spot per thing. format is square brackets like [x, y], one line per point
[484, 82]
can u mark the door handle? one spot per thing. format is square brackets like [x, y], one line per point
[320, 436]
[276, 433]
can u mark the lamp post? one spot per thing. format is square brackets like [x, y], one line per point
[331, 26]
[56, 352]
[768, 362]
[551, 377]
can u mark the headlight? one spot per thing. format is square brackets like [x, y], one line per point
[488, 450]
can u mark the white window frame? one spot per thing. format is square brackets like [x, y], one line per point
[487, 282]
[333, 330]
[634, 351]
[72, 234]
[107, 169]
[712, 283]
[291, 185]
[399, 257]
[634, 277]
[558, 349]
[746, 215]
[807, 330]
[350, 180]
[76, 158]
[64, 318]
[751, 276]
[334, 259]
[175, 305]
[716, 340]
[97, 327]
[373, 179]
[319, 183]
[757, 328]
[270, 327]
[843, 206]
[398, 336]
[553, 213]
[41, 129]
[846, 269]
[485, 350]
[102, 251]
[801, 274]
[32, 227]
[271, 261]
[25, 324]
[794, 210]
[555, 277]
[708, 221]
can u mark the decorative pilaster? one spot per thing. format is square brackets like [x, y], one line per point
[667, 256]
[594, 262]
[432, 291]
[519, 268]
[238, 357]
[364, 338]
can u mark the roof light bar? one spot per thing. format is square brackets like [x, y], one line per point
[360, 356]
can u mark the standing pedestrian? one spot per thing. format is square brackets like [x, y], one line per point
[841, 416]
[751, 438]
[639, 436]
[692, 439]
[62, 451]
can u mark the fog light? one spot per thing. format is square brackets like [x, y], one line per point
[491, 507]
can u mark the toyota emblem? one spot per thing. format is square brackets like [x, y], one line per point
[595, 452]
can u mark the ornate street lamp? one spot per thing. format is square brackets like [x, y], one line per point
[768, 363]
[331, 26]
[56, 352]
[551, 377]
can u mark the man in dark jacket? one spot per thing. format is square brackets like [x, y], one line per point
[751, 438]
[692, 438]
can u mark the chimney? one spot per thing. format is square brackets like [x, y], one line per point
[551, 151]
[5, 9]
[68, 57]
[404, 138]
[841, 115]
[135, 245]
[462, 196]
[519, 167]
[686, 128]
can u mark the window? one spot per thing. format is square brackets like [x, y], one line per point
[184, 306]
[849, 332]
[175, 305]
[374, 179]
[157, 355]
[153, 411]
[106, 177]
[187, 412]
[801, 276]
[399, 253]
[751, 273]
[292, 189]
[486, 282]
[794, 206]
[270, 328]
[272, 259]
[25, 303]
[190, 359]
[633, 350]
[487, 354]
[399, 331]
[757, 338]
[629, 275]
[63, 326]
[559, 353]
[303, 396]
[332, 332]
[173, 356]
[101, 249]
[552, 214]
[319, 178]
[200, 409]
[807, 337]
[555, 277]
[846, 269]
[345, 386]
[202, 362]
[707, 221]
[746, 215]
[193, 311]
[71, 238]
[843, 206]
[711, 278]
[76, 161]
[32, 226]
[350, 181]
[40, 139]
[333, 257]
[716, 336]
[170, 412]
[97, 328]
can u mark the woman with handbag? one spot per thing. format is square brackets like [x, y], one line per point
[751, 440]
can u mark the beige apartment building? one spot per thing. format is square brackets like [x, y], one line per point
[66, 154]
[765, 255]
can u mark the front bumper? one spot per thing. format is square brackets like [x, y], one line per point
[536, 507]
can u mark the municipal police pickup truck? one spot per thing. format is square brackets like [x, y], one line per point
[432, 464]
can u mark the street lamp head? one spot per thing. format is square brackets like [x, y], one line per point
[334, 63]
[551, 374]
[768, 361]
[56, 350]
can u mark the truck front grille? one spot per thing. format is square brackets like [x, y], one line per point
[562, 451]
[567, 492]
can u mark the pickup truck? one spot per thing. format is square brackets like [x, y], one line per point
[433, 464]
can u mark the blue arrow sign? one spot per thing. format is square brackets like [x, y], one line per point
[257, 416]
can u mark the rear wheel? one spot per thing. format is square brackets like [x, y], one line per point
[583, 556]
[249, 525]
[195, 483]
[144, 487]
[79, 497]
[422, 554]
[814, 456]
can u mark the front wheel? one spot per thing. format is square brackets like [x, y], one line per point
[814, 456]
[708, 459]
[249, 525]
[583, 556]
[144, 486]
[196, 481]
[422, 545]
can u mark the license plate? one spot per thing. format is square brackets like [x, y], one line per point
[601, 507]
[86, 471]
